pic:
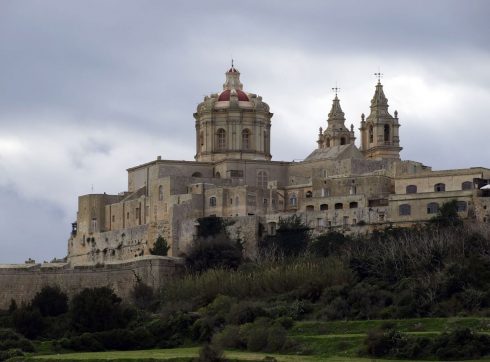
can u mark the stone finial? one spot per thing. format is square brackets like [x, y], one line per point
[396, 114]
[352, 127]
[362, 117]
[321, 130]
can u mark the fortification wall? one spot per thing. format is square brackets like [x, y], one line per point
[22, 282]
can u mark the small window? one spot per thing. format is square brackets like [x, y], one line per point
[323, 207]
[309, 194]
[212, 201]
[371, 134]
[265, 202]
[411, 189]
[467, 185]
[440, 187]
[339, 206]
[461, 206]
[293, 201]
[127, 215]
[433, 208]
[310, 208]
[342, 141]
[404, 209]
[113, 218]
[160, 193]
[197, 174]
[328, 142]
[353, 205]
[231, 201]
[237, 201]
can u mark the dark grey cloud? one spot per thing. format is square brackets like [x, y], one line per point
[89, 88]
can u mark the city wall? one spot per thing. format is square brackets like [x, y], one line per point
[22, 281]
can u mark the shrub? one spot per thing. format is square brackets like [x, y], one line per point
[11, 340]
[143, 296]
[291, 239]
[229, 337]
[160, 247]
[210, 353]
[328, 244]
[216, 252]
[28, 321]
[98, 309]
[50, 301]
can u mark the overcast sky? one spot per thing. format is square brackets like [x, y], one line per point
[90, 88]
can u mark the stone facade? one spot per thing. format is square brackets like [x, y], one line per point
[337, 186]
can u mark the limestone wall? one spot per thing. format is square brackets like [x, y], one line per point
[22, 282]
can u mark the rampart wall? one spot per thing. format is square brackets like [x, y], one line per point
[21, 282]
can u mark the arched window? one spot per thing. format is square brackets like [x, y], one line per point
[212, 201]
[310, 208]
[262, 179]
[371, 134]
[293, 201]
[160, 192]
[237, 201]
[432, 208]
[342, 140]
[217, 175]
[309, 194]
[197, 174]
[221, 139]
[328, 142]
[353, 205]
[411, 189]
[339, 206]
[440, 187]
[404, 209]
[201, 140]
[387, 133]
[323, 207]
[467, 185]
[245, 139]
[461, 206]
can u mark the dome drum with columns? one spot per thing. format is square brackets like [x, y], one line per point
[232, 124]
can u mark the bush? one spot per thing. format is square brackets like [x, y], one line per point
[217, 252]
[229, 337]
[210, 353]
[28, 321]
[160, 247]
[143, 296]
[291, 239]
[98, 309]
[50, 301]
[11, 340]
[327, 244]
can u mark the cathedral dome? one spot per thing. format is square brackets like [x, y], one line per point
[226, 94]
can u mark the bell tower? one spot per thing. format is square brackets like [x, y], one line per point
[336, 133]
[379, 131]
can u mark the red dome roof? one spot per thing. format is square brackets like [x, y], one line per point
[225, 95]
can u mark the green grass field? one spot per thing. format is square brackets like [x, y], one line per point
[323, 341]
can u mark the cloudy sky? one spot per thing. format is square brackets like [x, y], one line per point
[90, 88]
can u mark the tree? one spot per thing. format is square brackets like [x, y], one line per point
[292, 236]
[28, 321]
[160, 247]
[97, 309]
[447, 215]
[328, 244]
[51, 301]
[215, 252]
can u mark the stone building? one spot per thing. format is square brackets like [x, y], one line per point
[338, 186]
